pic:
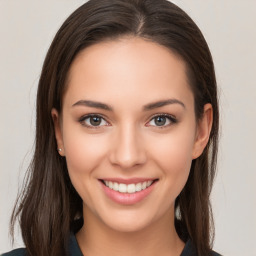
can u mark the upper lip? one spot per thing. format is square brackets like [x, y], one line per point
[128, 181]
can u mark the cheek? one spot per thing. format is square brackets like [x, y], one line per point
[83, 151]
[173, 155]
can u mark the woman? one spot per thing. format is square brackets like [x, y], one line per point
[126, 136]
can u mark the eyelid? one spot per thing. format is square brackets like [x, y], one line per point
[84, 117]
[172, 119]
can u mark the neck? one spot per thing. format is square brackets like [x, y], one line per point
[160, 238]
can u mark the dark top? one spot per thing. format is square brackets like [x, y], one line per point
[74, 249]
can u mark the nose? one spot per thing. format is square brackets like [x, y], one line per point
[128, 150]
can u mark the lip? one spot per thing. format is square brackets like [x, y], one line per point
[128, 181]
[127, 198]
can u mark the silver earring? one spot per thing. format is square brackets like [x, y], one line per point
[59, 149]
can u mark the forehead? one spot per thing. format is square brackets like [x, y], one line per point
[128, 67]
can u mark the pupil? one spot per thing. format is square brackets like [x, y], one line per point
[160, 120]
[95, 120]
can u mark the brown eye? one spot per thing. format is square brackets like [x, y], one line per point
[93, 121]
[162, 120]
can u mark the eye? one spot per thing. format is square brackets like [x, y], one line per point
[93, 121]
[162, 120]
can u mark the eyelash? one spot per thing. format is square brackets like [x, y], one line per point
[83, 118]
[171, 118]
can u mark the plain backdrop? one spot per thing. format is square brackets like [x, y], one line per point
[26, 30]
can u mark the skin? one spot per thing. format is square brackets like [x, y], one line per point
[127, 74]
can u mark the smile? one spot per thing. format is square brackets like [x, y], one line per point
[128, 192]
[128, 188]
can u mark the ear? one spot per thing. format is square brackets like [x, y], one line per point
[58, 131]
[204, 127]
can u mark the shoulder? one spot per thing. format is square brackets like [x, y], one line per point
[189, 250]
[73, 249]
[16, 252]
[215, 254]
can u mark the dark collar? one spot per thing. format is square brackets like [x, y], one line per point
[74, 249]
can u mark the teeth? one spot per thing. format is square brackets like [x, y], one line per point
[129, 188]
[138, 187]
[116, 186]
[122, 188]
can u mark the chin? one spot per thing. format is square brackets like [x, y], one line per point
[135, 219]
[128, 224]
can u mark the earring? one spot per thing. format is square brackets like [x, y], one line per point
[59, 149]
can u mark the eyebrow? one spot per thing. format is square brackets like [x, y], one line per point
[150, 106]
[93, 104]
[162, 103]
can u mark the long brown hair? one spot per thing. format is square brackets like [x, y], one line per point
[49, 208]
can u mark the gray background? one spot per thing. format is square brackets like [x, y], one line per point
[26, 30]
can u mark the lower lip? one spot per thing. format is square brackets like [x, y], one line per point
[127, 198]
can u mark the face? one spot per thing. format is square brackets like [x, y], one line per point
[128, 132]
